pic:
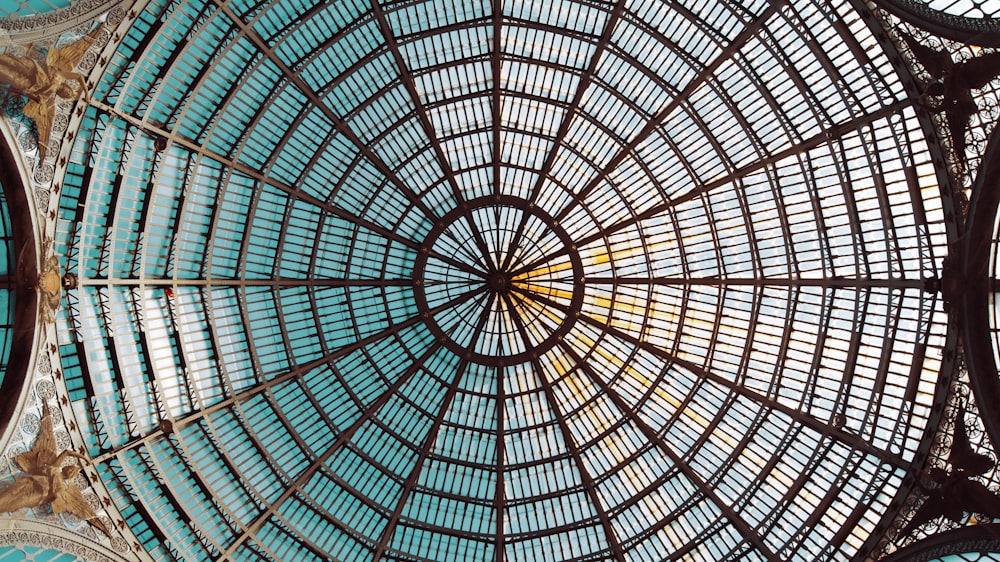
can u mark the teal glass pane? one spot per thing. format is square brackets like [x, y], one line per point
[502, 280]
[7, 266]
[21, 8]
[34, 553]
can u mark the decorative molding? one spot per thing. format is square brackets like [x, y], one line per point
[21, 533]
[43, 385]
[39, 28]
[960, 397]
[44, 379]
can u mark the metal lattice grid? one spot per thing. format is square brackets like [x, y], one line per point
[427, 280]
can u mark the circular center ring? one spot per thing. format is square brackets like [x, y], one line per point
[540, 302]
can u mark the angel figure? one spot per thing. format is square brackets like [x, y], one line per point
[51, 283]
[47, 481]
[41, 83]
[955, 492]
[50, 287]
[954, 81]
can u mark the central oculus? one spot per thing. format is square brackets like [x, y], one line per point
[498, 281]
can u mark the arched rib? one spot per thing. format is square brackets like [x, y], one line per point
[425, 448]
[293, 373]
[804, 418]
[585, 477]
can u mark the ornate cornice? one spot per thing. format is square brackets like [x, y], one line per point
[34, 29]
[22, 533]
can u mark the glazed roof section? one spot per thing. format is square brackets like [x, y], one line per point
[747, 185]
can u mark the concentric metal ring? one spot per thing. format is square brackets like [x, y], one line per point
[494, 317]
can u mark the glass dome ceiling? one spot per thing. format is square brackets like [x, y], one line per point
[501, 280]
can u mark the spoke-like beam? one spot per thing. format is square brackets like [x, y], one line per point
[343, 438]
[270, 180]
[585, 477]
[744, 528]
[406, 78]
[496, 68]
[696, 82]
[804, 418]
[496, 108]
[824, 282]
[425, 448]
[293, 373]
[222, 282]
[805, 146]
[500, 491]
[567, 120]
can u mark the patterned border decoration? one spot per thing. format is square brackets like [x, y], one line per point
[959, 396]
[18, 532]
[23, 30]
[44, 381]
[960, 176]
[20, 367]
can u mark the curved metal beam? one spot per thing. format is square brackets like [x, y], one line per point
[967, 283]
[980, 539]
[24, 281]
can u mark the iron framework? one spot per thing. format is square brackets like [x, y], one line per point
[486, 280]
